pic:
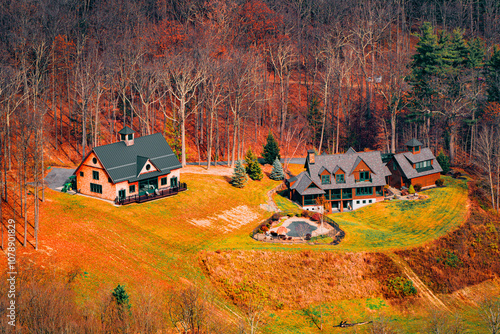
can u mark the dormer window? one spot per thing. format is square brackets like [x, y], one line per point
[364, 176]
[340, 178]
[123, 137]
[325, 179]
[423, 165]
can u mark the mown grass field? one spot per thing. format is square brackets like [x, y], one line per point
[161, 242]
[399, 224]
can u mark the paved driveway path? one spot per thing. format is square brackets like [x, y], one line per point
[57, 177]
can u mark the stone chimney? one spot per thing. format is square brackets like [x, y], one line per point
[311, 155]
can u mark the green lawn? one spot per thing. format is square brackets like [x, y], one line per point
[400, 223]
[160, 242]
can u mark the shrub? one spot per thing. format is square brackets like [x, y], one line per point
[401, 286]
[305, 213]
[439, 182]
[264, 228]
[308, 236]
[456, 175]
[418, 187]
[276, 217]
[411, 190]
[316, 217]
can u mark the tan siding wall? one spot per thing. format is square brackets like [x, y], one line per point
[83, 183]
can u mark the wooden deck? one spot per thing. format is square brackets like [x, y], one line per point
[153, 196]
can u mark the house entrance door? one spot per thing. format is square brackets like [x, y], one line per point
[173, 182]
[121, 194]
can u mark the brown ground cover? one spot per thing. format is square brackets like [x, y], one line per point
[467, 256]
[296, 279]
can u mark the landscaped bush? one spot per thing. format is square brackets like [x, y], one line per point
[305, 213]
[276, 217]
[401, 286]
[456, 175]
[418, 187]
[439, 182]
[264, 228]
[411, 190]
[308, 236]
[316, 217]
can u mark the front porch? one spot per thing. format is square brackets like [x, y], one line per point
[150, 196]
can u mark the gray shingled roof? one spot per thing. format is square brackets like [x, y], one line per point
[126, 131]
[121, 161]
[406, 160]
[346, 162]
[413, 142]
[351, 151]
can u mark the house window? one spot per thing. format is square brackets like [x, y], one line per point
[123, 137]
[364, 201]
[96, 188]
[340, 178]
[163, 181]
[423, 165]
[148, 167]
[94, 160]
[364, 191]
[357, 202]
[81, 174]
[130, 137]
[364, 176]
[95, 175]
[325, 179]
[131, 188]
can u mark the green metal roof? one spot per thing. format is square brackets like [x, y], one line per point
[126, 131]
[122, 161]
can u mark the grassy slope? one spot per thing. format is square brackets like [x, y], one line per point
[397, 224]
[155, 242]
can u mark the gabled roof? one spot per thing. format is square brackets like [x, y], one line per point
[322, 169]
[351, 151]
[126, 131]
[121, 162]
[413, 143]
[345, 162]
[357, 162]
[336, 169]
[407, 159]
[303, 183]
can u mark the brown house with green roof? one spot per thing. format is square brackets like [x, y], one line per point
[131, 170]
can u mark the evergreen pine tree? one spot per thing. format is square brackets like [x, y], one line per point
[277, 173]
[271, 149]
[253, 167]
[240, 177]
[444, 162]
[493, 76]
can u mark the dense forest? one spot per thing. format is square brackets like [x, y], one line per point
[216, 76]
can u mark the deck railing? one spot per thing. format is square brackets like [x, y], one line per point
[154, 195]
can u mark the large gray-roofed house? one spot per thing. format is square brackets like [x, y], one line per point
[347, 181]
[132, 167]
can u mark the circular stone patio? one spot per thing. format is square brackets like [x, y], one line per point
[291, 225]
